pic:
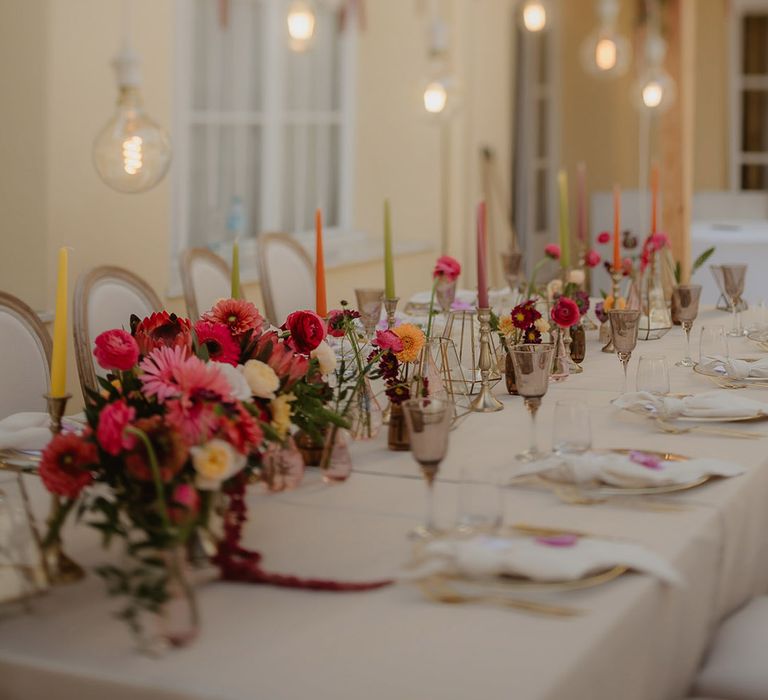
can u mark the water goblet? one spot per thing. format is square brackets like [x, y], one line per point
[513, 265]
[429, 423]
[652, 374]
[369, 303]
[687, 299]
[533, 364]
[712, 343]
[734, 276]
[572, 432]
[624, 327]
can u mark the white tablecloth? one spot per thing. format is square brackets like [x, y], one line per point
[639, 640]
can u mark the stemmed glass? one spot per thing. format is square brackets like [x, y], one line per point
[687, 300]
[513, 265]
[429, 424]
[533, 364]
[734, 277]
[369, 303]
[624, 326]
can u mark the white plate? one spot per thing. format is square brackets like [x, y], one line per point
[759, 381]
[695, 419]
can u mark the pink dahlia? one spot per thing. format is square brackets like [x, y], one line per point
[116, 350]
[239, 315]
[218, 340]
[110, 433]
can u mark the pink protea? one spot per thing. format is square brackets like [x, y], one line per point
[161, 330]
[218, 340]
[110, 433]
[239, 315]
[116, 350]
[287, 364]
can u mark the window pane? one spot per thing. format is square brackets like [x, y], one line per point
[227, 60]
[224, 163]
[542, 219]
[753, 177]
[755, 45]
[754, 121]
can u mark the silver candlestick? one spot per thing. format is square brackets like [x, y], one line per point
[391, 306]
[485, 401]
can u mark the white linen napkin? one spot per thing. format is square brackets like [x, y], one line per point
[563, 558]
[28, 431]
[737, 369]
[636, 470]
[711, 404]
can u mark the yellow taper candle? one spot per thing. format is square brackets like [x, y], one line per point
[389, 269]
[59, 356]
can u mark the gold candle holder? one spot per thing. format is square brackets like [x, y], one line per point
[485, 401]
[59, 568]
[616, 276]
[391, 306]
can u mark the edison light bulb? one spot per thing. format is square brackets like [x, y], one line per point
[301, 25]
[654, 90]
[132, 153]
[605, 52]
[534, 15]
[435, 97]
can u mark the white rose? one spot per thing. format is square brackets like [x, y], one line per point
[237, 383]
[261, 379]
[215, 462]
[541, 325]
[577, 277]
[325, 355]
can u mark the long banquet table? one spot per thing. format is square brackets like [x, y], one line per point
[638, 639]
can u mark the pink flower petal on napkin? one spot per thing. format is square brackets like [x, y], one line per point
[564, 540]
[646, 460]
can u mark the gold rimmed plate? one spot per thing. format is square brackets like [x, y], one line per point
[639, 411]
[721, 375]
[759, 338]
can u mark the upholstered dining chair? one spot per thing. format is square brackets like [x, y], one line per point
[105, 297]
[25, 346]
[286, 274]
[205, 278]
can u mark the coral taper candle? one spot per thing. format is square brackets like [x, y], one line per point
[321, 303]
[59, 356]
[565, 227]
[581, 231]
[482, 262]
[616, 227]
[236, 270]
[654, 197]
[389, 267]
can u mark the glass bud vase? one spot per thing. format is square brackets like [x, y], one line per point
[445, 293]
[336, 463]
[655, 316]
[282, 467]
[399, 439]
[365, 414]
[509, 375]
[561, 360]
[578, 343]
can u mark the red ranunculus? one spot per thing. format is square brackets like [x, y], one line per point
[113, 420]
[161, 329]
[116, 350]
[447, 267]
[307, 331]
[592, 258]
[65, 464]
[388, 340]
[565, 312]
[552, 251]
[604, 237]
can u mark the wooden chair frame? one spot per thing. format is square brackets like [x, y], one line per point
[285, 239]
[186, 261]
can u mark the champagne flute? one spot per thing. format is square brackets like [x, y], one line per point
[624, 327]
[369, 303]
[429, 424]
[533, 364]
[687, 299]
[734, 277]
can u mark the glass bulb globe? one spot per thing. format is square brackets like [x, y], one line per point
[132, 153]
[435, 97]
[606, 53]
[654, 91]
[534, 15]
[301, 25]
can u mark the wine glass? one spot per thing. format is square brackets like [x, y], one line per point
[734, 277]
[533, 364]
[624, 327]
[369, 302]
[429, 424]
[687, 299]
[652, 374]
[513, 265]
[572, 432]
[712, 343]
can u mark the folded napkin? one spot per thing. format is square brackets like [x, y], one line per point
[736, 369]
[711, 404]
[27, 431]
[635, 470]
[561, 558]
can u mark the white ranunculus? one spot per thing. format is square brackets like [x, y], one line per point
[576, 277]
[261, 378]
[215, 462]
[237, 383]
[541, 325]
[325, 355]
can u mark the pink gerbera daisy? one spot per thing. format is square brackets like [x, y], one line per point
[238, 315]
[218, 340]
[194, 419]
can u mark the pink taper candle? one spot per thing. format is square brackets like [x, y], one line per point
[482, 262]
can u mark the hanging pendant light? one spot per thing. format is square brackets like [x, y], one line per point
[534, 15]
[440, 93]
[301, 21]
[132, 153]
[654, 90]
[605, 52]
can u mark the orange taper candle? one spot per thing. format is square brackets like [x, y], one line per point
[616, 227]
[321, 303]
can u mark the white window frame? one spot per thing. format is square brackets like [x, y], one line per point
[273, 118]
[738, 84]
